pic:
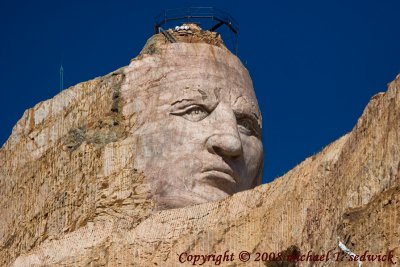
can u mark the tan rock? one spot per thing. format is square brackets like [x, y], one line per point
[72, 195]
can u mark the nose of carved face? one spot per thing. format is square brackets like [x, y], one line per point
[225, 145]
[224, 140]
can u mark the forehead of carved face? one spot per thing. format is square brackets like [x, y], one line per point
[199, 127]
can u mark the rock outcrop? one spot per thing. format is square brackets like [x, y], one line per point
[71, 196]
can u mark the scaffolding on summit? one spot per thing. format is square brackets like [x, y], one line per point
[209, 18]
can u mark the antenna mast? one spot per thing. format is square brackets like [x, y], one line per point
[61, 78]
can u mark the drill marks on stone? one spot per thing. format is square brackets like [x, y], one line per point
[73, 244]
[54, 122]
[57, 191]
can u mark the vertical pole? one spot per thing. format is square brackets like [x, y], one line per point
[61, 78]
[236, 45]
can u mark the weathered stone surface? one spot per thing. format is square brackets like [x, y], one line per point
[71, 195]
[66, 165]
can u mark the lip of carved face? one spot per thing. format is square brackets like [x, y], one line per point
[220, 177]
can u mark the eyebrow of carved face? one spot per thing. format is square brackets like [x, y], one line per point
[246, 112]
[208, 105]
[197, 97]
[256, 126]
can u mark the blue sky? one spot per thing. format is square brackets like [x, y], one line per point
[314, 64]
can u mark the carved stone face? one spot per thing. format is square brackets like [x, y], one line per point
[199, 132]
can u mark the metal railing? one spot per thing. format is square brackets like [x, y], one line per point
[167, 35]
[190, 13]
[214, 16]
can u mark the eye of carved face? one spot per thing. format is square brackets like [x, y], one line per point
[192, 113]
[248, 125]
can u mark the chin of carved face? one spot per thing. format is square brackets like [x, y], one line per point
[199, 138]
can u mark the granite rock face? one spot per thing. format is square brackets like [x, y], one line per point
[72, 196]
